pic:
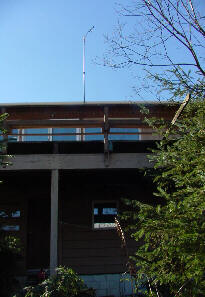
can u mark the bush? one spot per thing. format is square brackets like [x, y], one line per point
[9, 253]
[65, 283]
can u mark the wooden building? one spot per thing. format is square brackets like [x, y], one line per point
[72, 163]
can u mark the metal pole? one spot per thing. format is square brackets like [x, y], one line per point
[84, 37]
[84, 69]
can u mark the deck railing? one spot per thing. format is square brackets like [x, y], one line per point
[81, 130]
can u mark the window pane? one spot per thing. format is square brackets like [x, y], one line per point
[93, 137]
[109, 211]
[16, 214]
[3, 214]
[104, 225]
[104, 214]
[13, 214]
[37, 137]
[124, 136]
[10, 227]
[64, 137]
[95, 211]
[13, 138]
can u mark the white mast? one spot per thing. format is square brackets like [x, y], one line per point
[84, 37]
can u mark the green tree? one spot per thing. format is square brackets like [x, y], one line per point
[172, 230]
[3, 160]
[9, 245]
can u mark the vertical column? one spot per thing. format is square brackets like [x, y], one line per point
[5, 135]
[106, 131]
[54, 222]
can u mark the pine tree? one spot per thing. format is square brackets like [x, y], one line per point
[173, 229]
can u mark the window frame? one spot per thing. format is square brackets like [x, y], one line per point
[99, 202]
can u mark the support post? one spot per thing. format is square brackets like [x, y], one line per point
[54, 222]
[5, 135]
[106, 131]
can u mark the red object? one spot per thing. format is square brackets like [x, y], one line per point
[41, 275]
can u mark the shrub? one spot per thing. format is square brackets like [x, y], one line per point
[65, 283]
[9, 253]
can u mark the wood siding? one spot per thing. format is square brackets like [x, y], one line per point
[80, 247]
[87, 250]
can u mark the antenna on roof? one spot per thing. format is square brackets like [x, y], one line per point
[84, 37]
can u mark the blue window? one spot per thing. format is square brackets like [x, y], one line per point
[64, 137]
[124, 136]
[7, 214]
[10, 227]
[36, 137]
[104, 214]
[94, 136]
[10, 137]
[13, 138]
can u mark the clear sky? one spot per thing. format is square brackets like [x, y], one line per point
[41, 51]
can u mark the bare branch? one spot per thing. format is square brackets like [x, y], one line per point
[196, 19]
[161, 25]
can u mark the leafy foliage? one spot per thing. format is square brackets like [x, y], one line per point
[172, 232]
[9, 254]
[3, 159]
[66, 283]
[9, 245]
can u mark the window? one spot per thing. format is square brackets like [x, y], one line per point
[8, 214]
[10, 228]
[73, 134]
[124, 136]
[94, 136]
[47, 134]
[10, 218]
[64, 137]
[104, 214]
[35, 137]
[11, 138]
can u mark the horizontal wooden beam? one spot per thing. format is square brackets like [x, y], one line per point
[71, 134]
[77, 161]
[118, 123]
[42, 111]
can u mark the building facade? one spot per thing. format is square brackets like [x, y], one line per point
[71, 166]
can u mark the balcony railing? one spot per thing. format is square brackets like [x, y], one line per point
[77, 130]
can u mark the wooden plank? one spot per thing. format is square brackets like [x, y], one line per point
[77, 161]
[93, 235]
[111, 123]
[93, 252]
[88, 244]
[98, 269]
[94, 261]
[94, 110]
[53, 123]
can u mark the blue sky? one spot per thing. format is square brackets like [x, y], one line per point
[41, 51]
